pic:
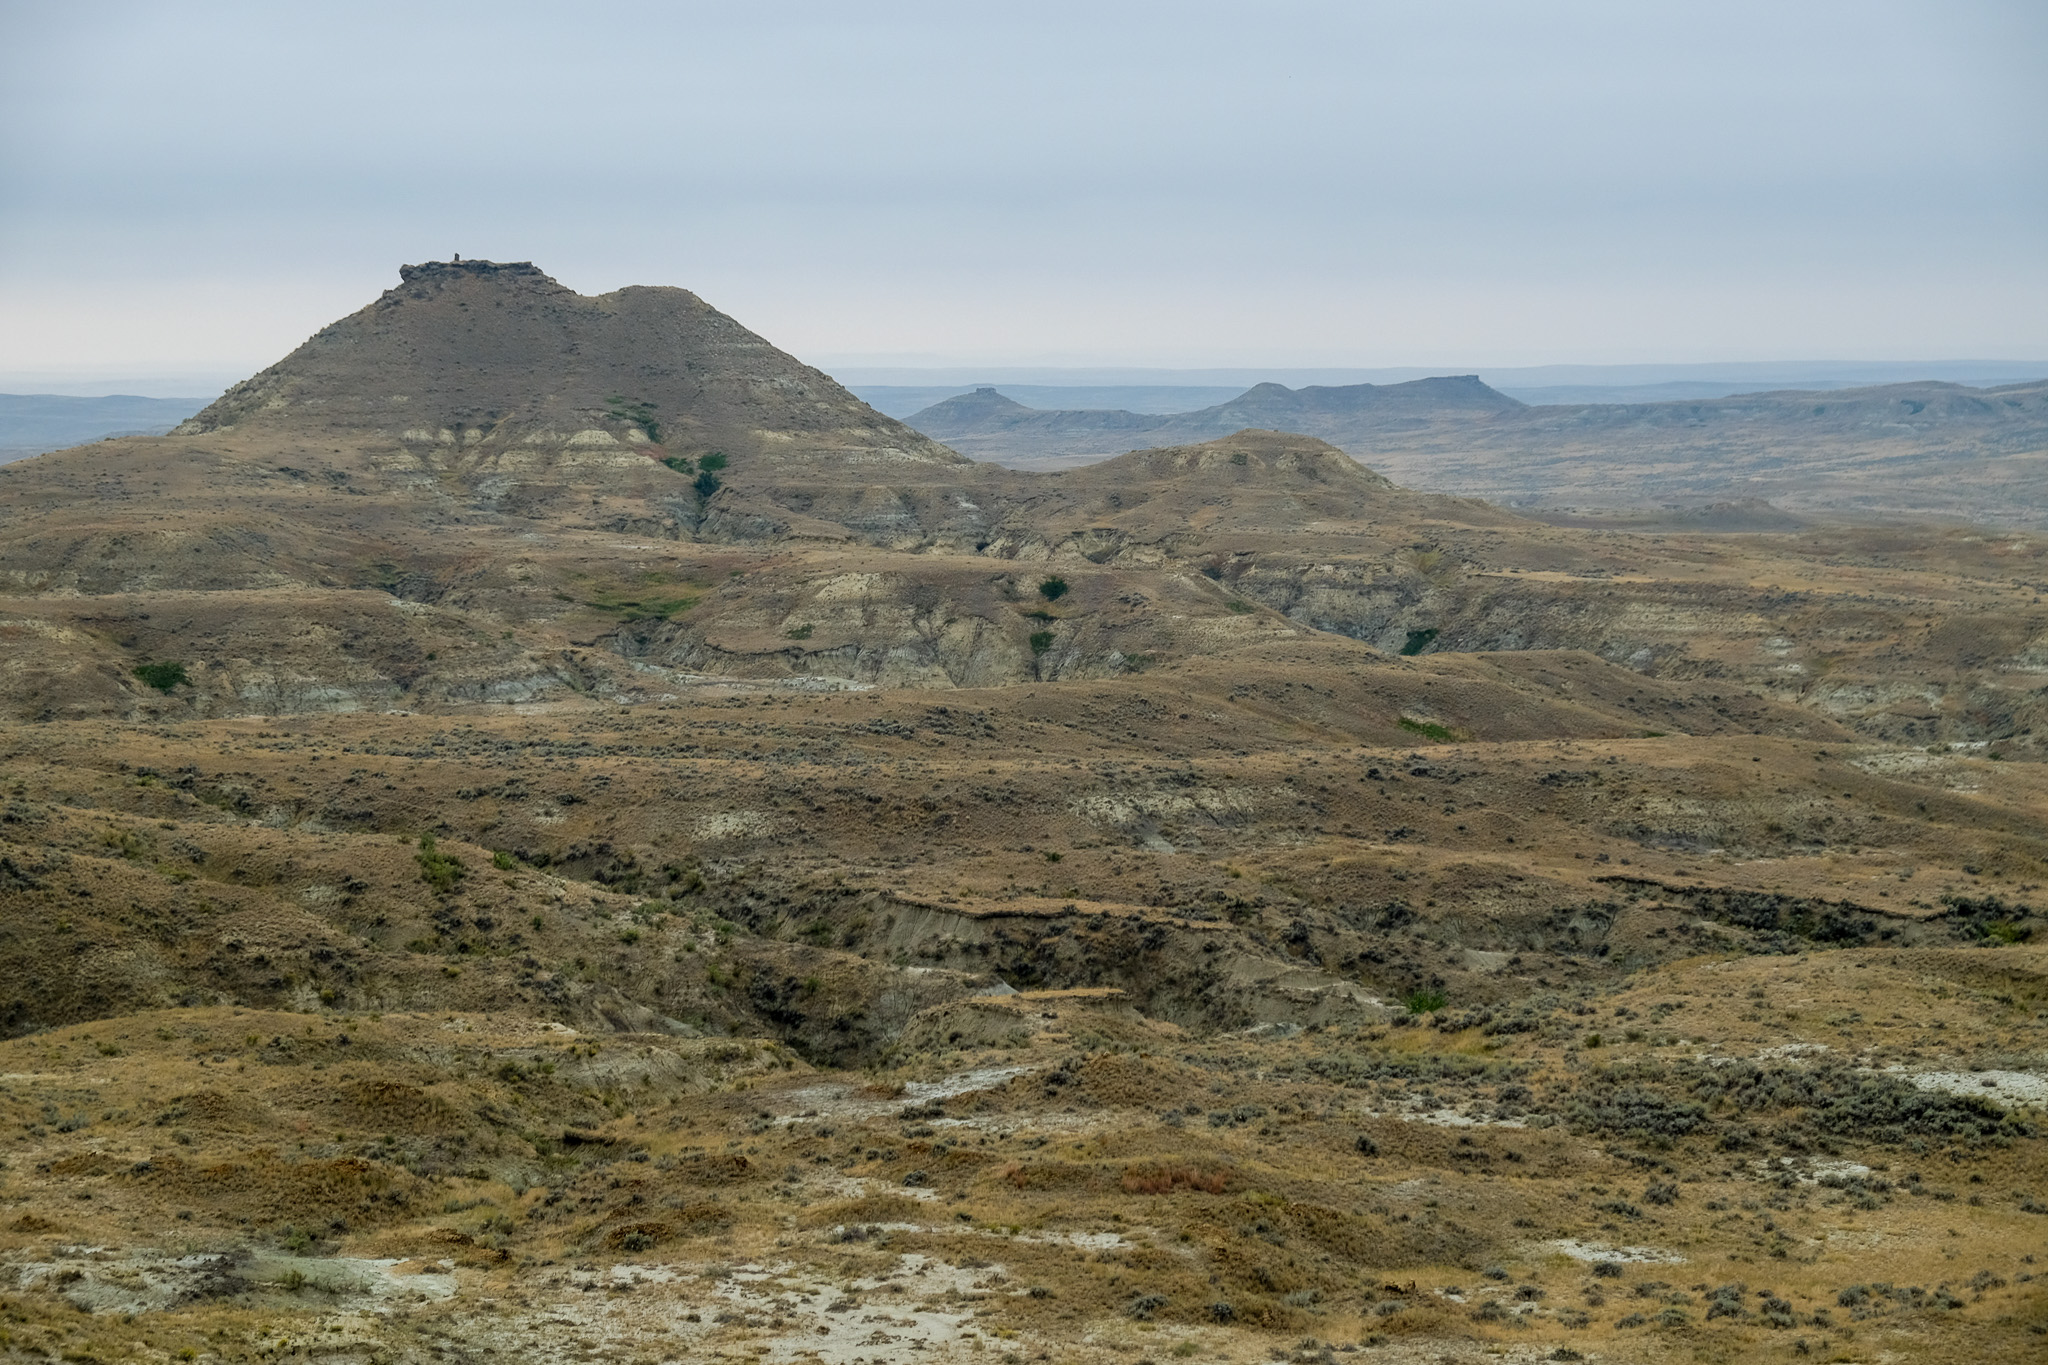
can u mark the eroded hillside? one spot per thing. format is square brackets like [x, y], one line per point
[628, 854]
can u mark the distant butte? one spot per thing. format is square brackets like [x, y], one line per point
[500, 360]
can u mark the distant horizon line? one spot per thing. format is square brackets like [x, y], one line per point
[852, 371]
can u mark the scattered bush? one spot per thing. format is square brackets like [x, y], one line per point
[436, 868]
[1424, 1001]
[640, 414]
[1052, 589]
[163, 676]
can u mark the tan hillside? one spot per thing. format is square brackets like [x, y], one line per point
[481, 880]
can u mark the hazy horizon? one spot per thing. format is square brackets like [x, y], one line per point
[1617, 380]
[193, 190]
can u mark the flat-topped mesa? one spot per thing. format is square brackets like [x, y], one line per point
[485, 360]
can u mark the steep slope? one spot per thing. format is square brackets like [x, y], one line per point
[490, 368]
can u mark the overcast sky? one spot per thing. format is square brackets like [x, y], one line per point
[195, 187]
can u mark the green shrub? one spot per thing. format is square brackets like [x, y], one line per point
[706, 484]
[639, 414]
[1424, 1001]
[437, 869]
[1427, 729]
[162, 676]
[715, 460]
[502, 861]
[1052, 589]
[802, 632]
[1041, 641]
[1419, 640]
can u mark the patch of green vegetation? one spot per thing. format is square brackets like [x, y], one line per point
[1052, 589]
[1428, 729]
[502, 861]
[437, 869]
[704, 481]
[163, 675]
[802, 632]
[1831, 1099]
[636, 602]
[1419, 640]
[1240, 458]
[639, 414]
[1240, 607]
[1041, 641]
[386, 576]
[1424, 1001]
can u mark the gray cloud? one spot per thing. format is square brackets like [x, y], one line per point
[188, 186]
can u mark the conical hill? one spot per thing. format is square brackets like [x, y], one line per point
[501, 369]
